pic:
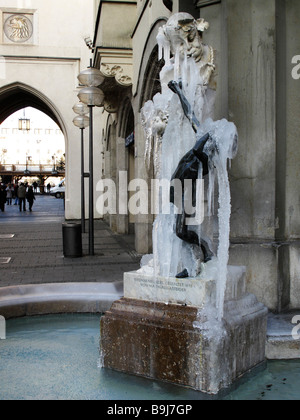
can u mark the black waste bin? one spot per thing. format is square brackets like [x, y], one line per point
[72, 240]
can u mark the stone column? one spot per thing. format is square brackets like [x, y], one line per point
[288, 156]
[251, 105]
[122, 165]
[143, 223]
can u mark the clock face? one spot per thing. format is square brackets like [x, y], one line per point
[18, 28]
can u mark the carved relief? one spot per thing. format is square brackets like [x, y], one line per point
[154, 122]
[183, 35]
[117, 72]
[111, 106]
[18, 28]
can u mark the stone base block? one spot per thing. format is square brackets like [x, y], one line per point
[196, 292]
[180, 344]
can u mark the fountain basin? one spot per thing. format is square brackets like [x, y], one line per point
[56, 357]
[40, 299]
[179, 339]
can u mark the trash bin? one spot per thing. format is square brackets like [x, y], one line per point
[72, 240]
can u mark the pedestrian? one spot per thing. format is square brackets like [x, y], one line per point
[9, 194]
[3, 195]
[35, 185]
[22, 196]
[30, 197]
[16, 195]
[48, 188]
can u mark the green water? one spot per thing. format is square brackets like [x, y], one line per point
[57, 358]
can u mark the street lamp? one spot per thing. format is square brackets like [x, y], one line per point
[54, 170]
[91, 96]
[82, 121]
[91, 77]
[24, 123]
[27, 172]
[80, 109]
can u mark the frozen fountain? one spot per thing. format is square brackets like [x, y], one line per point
[186, 317]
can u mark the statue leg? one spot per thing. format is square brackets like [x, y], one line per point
[207, 252]
[192, 238]
[184, 233]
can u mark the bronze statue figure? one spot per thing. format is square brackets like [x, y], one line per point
[188, 168]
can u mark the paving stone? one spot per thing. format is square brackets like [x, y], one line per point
[36, 249]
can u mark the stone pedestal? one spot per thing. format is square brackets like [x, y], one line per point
[178, 339]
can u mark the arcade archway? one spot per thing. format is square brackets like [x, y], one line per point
[18, 96]
[13, 99]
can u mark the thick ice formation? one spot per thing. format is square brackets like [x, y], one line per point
[170, 136]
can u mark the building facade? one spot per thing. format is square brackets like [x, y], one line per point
[43, 140]
[43, 47]
[256, 46]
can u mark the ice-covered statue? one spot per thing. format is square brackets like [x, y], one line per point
[183, 36]
[186, 313]
[188, 168]
[183, 142]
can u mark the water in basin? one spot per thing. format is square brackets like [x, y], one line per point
[57, 357]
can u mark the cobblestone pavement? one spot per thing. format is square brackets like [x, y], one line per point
[35, 251]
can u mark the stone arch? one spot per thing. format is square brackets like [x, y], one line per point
[110, 147]
[110, 171]
[150, 68]
[149, 80]
[17, 96]
[148, 85]
[126, 118]
[126, 158]
[151, 83]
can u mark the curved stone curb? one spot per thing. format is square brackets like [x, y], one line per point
[281, 342]
[54, 298]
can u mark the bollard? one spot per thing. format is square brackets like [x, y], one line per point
[72, 240]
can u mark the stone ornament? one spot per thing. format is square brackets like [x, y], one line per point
[18, 28]
[154, 122]
[184, 36]
[111, 106]
[117, 72]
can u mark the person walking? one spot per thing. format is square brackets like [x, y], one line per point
[30, 197]
[22, 196]
[16, 195]
[3, 195]
[9, 194]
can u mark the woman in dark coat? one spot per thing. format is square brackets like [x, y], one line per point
[30, 197]
[3, 196]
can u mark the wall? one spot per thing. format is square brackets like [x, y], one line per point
[49, 64]
[256, 42]
[291, 111]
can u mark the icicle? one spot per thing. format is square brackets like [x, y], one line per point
[177, 65]
[224, 230]
[171, 255]
[164, 47]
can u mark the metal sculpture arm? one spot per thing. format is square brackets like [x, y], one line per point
[176, 87]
